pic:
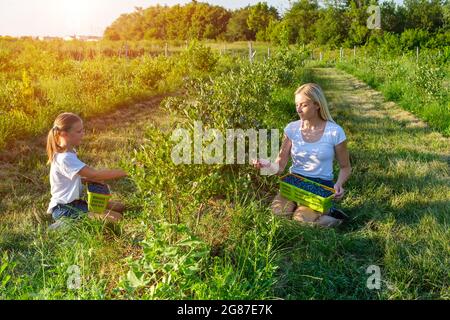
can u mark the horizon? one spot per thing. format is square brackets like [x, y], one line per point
[63, 18]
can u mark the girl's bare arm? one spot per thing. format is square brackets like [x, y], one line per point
[92, 174]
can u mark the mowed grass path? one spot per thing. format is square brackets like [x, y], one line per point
[398, 198]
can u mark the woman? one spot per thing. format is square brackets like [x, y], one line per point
[312, 142]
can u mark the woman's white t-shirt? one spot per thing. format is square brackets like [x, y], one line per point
[314, 159]
[65, 183]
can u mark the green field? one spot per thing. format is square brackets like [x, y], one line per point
[42, 79]
[206, 231]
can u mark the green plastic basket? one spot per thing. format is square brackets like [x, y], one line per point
[304, 197]
[97, 202]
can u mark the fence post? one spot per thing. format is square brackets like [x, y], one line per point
[354, 52]
[268, 52]
[251, 52]
[166, 50]
[320, 56]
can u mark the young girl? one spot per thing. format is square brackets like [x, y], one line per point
[312, 142]
[67, 171]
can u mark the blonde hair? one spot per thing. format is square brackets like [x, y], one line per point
[63, 122]
[315, 93]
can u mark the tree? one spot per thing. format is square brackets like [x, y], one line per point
[424, 14]
[237, 27]
[330, 27]
[259, 18]
[393, 17]
[191, 21]
[278, 32]
[446, 15]
[412, 38]
[300, 19]
[356, 14]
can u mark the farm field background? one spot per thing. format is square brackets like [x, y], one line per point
[41, 79]
[206, 231]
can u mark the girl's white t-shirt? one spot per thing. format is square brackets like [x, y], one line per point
[314, 159]
[65, 183]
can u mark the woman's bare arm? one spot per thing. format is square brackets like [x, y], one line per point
[281, 161]
[284, 154]
[343, 157]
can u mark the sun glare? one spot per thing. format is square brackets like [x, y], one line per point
[77, 12]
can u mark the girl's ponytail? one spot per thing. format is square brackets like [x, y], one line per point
[52, 144]
[63, 122]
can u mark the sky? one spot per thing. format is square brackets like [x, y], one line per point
[86, 17]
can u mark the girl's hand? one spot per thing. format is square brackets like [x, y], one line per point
[260, 163]
[339, 191]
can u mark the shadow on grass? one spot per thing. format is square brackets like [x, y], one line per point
[317, 263]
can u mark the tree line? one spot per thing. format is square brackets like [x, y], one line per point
[331, 23]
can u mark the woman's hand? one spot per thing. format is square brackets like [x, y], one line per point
[260, 163]
[339, 191]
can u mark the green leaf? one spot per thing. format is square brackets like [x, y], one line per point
[134, 281]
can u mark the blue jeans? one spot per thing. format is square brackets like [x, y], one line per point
[74, 210]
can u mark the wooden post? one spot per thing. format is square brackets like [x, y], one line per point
[166, 50]
[268, 52]
[320, 56]
[250, 52]
[340, 54]
[354, 52]
[186, 43]
[126, 50]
